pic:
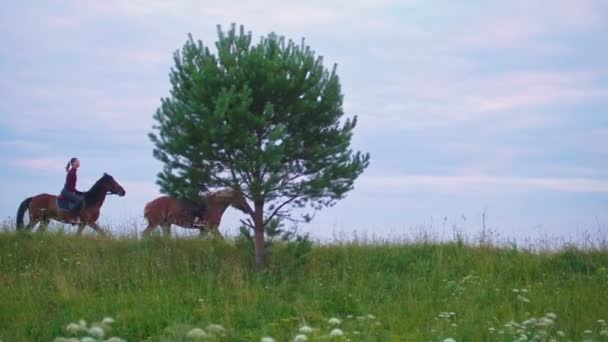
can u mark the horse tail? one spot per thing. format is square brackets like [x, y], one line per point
[21, 211]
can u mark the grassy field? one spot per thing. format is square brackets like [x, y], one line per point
[162, 289]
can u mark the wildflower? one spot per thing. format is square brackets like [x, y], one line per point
[515, 290]
[88, 339]
[371, 316]
[523, 299]
[115, 339]
[545, 322]
[196, 333]
[491, 330]
[82, 323]
[551, 315]
[305, 329]
[587, 332]
[300, 338]
[601, 321]
[604, 333]
[560, 333]
[334, 321]
[336, 332]
[349, 316]
[108, 320]
[74, 328]
[449, 339]
[267, 339]
[530, 321]
[97, 332]
[215, 328]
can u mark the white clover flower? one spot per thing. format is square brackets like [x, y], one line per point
[449, 339]
[97, 332]
[551, 315]
[196, 333]
[108, 320]
[334, 321]
[336, 332]
[300, 338]
[115, 339]
[305, 329]
[215, 328]
[267, 339]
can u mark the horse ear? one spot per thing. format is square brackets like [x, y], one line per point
[105, 174]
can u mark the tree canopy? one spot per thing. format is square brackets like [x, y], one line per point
[264, 119]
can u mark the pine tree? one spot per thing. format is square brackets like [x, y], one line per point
[263, 119]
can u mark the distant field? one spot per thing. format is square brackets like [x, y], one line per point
[162, 289]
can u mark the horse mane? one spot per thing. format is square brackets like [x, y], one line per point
[95, 190]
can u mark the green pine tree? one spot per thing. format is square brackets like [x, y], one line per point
[263, 119]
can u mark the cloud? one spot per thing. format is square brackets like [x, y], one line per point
[401, 183]
[48, 165]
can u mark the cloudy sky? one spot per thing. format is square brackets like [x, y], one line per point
[464, 107]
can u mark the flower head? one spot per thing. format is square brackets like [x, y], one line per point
[305, 329]
[334, 321]
[196, 333]
[97, 332]
[336, 332]
[300, 338]
[267, 339]
[215, 328]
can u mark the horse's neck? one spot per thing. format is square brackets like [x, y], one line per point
[94, 197]
[217, 207]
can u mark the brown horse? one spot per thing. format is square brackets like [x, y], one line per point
[43, 207]
[166, 210]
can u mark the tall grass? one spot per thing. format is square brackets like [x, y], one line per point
[160, 289]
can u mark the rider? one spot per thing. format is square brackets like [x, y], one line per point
[69, 189]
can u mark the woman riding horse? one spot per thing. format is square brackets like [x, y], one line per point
[166, 210]
[44, 207]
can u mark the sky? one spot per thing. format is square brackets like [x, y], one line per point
[469, 109]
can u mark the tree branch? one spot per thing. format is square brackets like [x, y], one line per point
[277, 209]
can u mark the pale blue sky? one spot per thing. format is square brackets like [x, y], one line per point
[463, 105]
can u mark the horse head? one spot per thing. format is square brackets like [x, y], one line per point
[234, 198]
[111, 185]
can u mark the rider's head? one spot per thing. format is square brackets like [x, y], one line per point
[74, 162]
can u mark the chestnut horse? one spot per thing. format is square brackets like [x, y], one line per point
[166, 210]
[43, 207]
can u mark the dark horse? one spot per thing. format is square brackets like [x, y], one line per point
[166, 210]
[43, 207]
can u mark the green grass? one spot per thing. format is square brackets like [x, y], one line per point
[159, 289]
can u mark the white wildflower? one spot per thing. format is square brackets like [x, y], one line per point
[196, 333]
[267, 339]
[604, 333]
[300, 338]
[334, 321]
[305, 329]
[88, 339]
[551, 315]
[108, 320]
[115, 339]
[82, 323]
[336, 332]
[601, 322]
[530, 321]
[215, 328]
[560, 333]
[371, 316]
[491, 330]
[449, 339]
[349, 316]
[523, 299]
[587, 332]
[97, 332]
[74, 328]
[515, 290]
[545, 322]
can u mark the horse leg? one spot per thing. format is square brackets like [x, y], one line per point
[166, 230]
[97, 228]
[80, 228]
[148, 229]
[44, 223]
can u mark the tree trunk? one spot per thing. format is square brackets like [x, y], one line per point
[258, 220]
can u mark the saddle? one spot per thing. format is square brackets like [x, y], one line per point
[64, 203]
